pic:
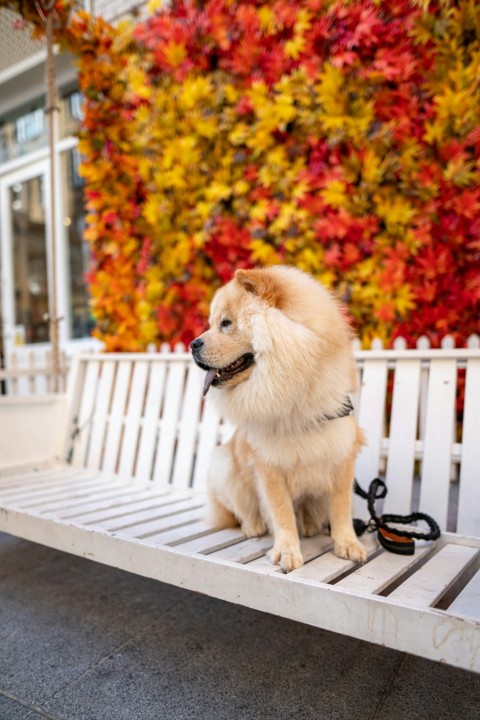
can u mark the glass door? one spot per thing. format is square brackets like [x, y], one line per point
[25, 256]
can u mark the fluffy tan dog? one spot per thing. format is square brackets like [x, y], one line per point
[278, 356]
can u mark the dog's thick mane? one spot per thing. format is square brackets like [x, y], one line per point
[302, 369]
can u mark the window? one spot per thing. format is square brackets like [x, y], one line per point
[78, 248]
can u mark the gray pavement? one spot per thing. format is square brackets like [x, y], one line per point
[81, 641]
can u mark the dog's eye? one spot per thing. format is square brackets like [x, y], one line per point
[225, 323]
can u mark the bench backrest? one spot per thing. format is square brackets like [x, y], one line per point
[142, 415]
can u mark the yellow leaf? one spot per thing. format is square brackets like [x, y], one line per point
[334, 193]
[175, 53]
[371, 171]
[294, 47]
[263, 253]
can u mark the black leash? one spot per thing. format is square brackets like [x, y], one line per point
[392, 539]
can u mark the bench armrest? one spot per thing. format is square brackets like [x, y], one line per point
[31, 429]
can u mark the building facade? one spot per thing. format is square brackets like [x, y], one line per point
[26, 214]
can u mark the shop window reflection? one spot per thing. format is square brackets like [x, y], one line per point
[30, 259]
[78, 249]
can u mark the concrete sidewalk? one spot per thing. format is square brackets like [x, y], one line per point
[81, 641]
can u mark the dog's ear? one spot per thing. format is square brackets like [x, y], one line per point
[261, 283]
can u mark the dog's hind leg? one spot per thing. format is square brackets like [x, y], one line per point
[232, 494]
[218, 515]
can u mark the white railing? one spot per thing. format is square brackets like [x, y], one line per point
[31, 374]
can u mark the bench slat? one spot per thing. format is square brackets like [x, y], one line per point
[381, 572]
[468, 601]
[244, 551]
[99, 423]
[327, 567]
[435, 482]
[108, 510]
[166, 505]
[469, 497]
[311, 548]
[40, 478]
[149, 435]
[210, 543]
[371, 416]
[182, 534]
[432, 580]
[122, 498]
[185, 454]
[114, 430]
[132, 419]
[35, 484]
[76, 481]
[168, 522]
[168, 431]
[207, 440]
[403, 434]
[85, 415]
[76, 496]
[122, 515]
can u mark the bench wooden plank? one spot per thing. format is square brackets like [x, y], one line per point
[403, 434]
[184, 533]
[328, 566]
[427, 586]
[86, 412]
[38, 478]
[170, 415]
[100, 490]
[149, 435]
[215, 541]
[381, 572]
[371, 416]
[132, 419]
[245, 551]
[114, 430]
[184, 457]
[76, 481]
[123, 502]
[99, 422]
[160, 524]
[468, 601]
[34, 485]
[208, 438]
[469, 495]
[311, 548]
[435, 481]
[167, 505]
[121, 513]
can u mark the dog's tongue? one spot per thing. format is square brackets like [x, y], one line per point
[209, 378]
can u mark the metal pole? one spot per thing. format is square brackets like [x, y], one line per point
[46, 12]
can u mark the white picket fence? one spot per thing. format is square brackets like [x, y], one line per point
[30, 373]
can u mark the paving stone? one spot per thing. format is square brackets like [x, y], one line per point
[60, 614]
[12, 710]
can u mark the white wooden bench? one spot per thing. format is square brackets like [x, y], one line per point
[138, 438]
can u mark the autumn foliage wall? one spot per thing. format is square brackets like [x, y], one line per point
[341, 137]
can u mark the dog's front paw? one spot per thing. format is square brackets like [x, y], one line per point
[287, 556]
[350, 549]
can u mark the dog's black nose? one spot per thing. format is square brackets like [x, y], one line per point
[196, 344]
